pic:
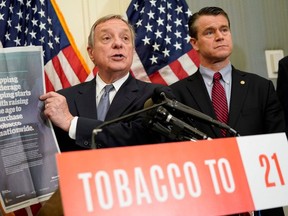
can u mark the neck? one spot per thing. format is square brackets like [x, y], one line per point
[214, 65]
[109, 78]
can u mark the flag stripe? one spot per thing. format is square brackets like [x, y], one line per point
[194, 56]
[60, 72]
[188, 63]
[85, 68]
[52, 75]
[157, 78]
[168, 75]
[48, 85]
[68, 71]
[138, 69]
[75, 63]
[178, 70]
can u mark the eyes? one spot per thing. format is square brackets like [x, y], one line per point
[211, 32]
[107, 38]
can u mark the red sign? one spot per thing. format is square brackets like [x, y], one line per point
[212, 177]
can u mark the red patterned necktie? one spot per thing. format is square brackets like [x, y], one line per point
[219, 100]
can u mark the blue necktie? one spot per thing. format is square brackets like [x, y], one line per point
[104, 103]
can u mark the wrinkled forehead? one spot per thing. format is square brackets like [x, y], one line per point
[211, 21]
[112, 25]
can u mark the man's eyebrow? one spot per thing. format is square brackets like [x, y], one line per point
[109, 28]
[212, 27]
[209, 28]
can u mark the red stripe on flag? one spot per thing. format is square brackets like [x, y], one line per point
[157, 78]
[75, 63]
[194, 57]
[59, 70]
[49, 85]
[178, 70]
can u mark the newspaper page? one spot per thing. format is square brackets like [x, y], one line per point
[27, 141]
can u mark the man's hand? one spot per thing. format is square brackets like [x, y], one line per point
[56, 109]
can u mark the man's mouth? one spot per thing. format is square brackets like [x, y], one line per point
[118, 56]
[221, 46]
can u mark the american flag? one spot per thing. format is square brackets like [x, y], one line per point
[40, 23]
[163, 53]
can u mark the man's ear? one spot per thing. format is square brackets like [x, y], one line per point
[90, 53]
[193, 42]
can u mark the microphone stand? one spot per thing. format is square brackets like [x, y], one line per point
[178, 126]
[99, 127]
[174, 104]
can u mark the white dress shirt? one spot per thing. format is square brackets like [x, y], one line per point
[100, 84]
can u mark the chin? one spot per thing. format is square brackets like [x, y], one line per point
[224, 55]
[120, 70]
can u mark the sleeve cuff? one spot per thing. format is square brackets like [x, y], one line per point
[72, 129]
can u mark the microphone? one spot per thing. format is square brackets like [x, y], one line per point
[163, 115]
[160, 95]
[149, 103]
[159, 128]
[157, 96]
[98, 129]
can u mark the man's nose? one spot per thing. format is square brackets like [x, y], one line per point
[117, 43]
[219, 35]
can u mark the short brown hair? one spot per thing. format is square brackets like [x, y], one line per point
[213, 11]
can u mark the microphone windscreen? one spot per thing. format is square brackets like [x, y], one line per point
[158, 95]
[148, 103]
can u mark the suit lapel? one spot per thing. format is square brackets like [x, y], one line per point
[122, 100]
[201, 97]
[86, 99]
[238, 93]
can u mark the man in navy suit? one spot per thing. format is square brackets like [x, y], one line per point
[73, 111]
[253, 105]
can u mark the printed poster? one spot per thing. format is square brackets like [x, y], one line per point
[27, 141]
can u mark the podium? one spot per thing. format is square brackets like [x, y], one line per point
[208, 177]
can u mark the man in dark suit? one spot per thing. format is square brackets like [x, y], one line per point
[73, 111]
[253, 106]
[282, 89]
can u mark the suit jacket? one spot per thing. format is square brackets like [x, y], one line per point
[282, 89]
[254, 109]
[131, 97]
[254, 105]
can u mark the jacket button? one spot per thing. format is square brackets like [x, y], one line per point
[86, 142]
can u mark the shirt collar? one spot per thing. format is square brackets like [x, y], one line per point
[208, 74]
[100, 84]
